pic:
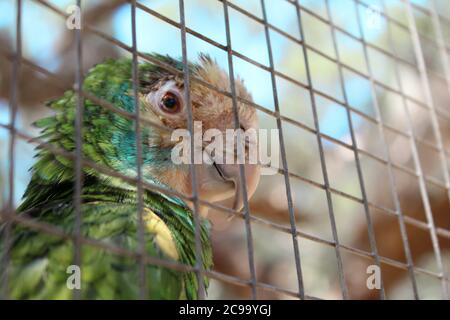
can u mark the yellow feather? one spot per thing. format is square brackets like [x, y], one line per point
[163, 236]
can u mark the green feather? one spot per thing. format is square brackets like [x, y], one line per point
[39, 261]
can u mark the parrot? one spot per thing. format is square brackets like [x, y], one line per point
[39, 261]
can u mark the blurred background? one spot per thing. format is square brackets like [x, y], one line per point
[49, 44]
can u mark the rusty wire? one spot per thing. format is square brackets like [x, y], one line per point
[9, 217]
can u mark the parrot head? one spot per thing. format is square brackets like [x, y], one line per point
[162, 96]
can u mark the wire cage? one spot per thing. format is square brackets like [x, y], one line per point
[376, 195]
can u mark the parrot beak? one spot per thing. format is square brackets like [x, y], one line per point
[219, 182]
[231, 172]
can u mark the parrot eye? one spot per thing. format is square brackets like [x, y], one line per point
[170, 103]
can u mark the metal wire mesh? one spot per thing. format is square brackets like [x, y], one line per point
[418, 39]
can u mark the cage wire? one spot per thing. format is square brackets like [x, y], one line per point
[419, 41]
